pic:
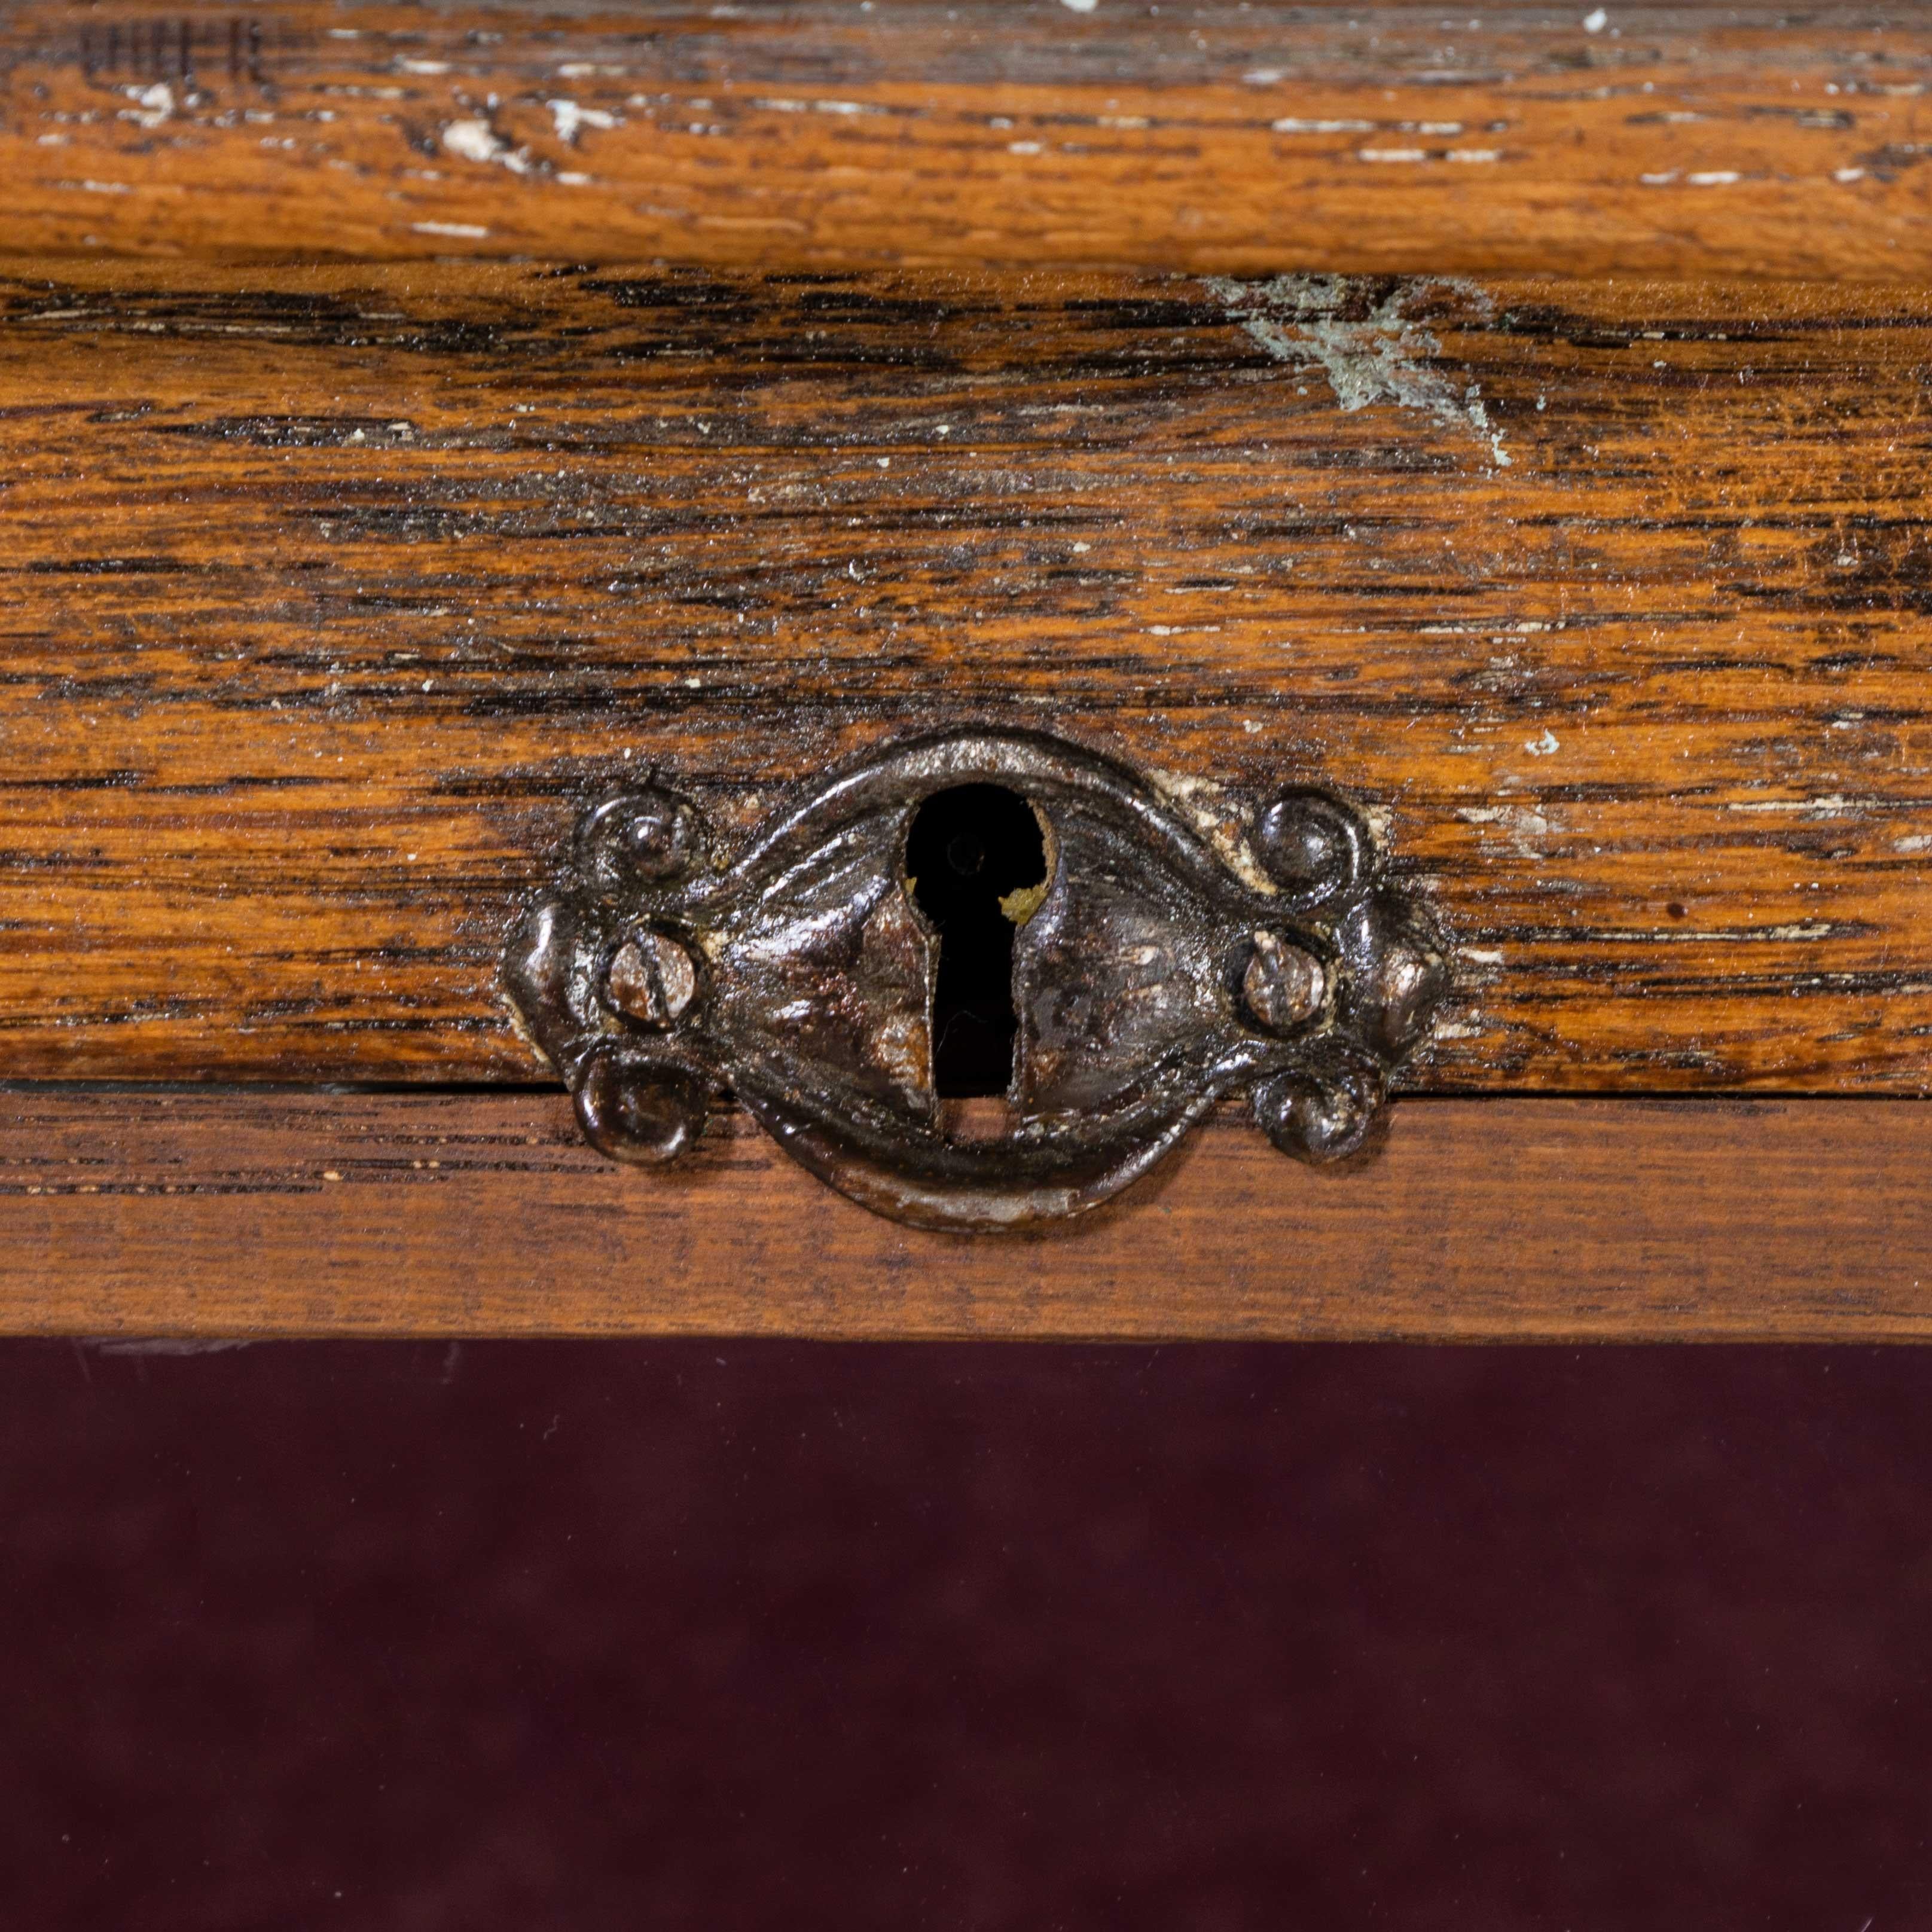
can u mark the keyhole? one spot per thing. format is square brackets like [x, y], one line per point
[976, 860]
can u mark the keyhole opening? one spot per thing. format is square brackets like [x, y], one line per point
[976, 860]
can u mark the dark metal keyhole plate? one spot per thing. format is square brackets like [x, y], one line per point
[1146, 978]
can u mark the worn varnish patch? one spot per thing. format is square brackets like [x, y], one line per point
[1236, 137]
[333, 595]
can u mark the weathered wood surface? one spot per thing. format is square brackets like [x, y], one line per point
[232, 1214]
[332, 595]
[1248, 137]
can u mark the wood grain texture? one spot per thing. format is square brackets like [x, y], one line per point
[333, 595]
[133, 1212]
[1685, 139]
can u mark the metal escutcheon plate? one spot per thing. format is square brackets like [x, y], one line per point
[1151, 980]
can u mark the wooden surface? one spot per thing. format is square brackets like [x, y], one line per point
[949, 379]
[333, 595]
[231, 1214]
[1248, 137]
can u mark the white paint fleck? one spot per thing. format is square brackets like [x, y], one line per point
[570, 179]
[104, 187]
[1023, 147]
[1391, 154]
[473, 138]
[1542, 744]
[1360, 333]
[1474, 154]
[1080, 6]
[1917, 842]
[1264, 76]
[1477, 957]
[1713, 177]
[1220, 820]
[1291, 124]
[1595, 22]
[1730, 935]
[779, 104]
[1849, 174]
[155, 103]
[1828, 805]
[473, 141]
[1523, 826]
[568, 118]
[1659, 181]
[423, 67]
[465, 230]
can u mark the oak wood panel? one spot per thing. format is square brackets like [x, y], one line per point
[1248, 137]
[232, 1214]
[332, 595]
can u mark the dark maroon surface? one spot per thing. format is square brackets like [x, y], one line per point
[724, 1635]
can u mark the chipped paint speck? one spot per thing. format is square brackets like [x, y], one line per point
[570, 119]
[152, 105]
[474, 139]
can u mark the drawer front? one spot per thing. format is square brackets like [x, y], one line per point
[424, 428]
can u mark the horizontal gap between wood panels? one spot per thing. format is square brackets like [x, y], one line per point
[234, 1212]
[245, 1089]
